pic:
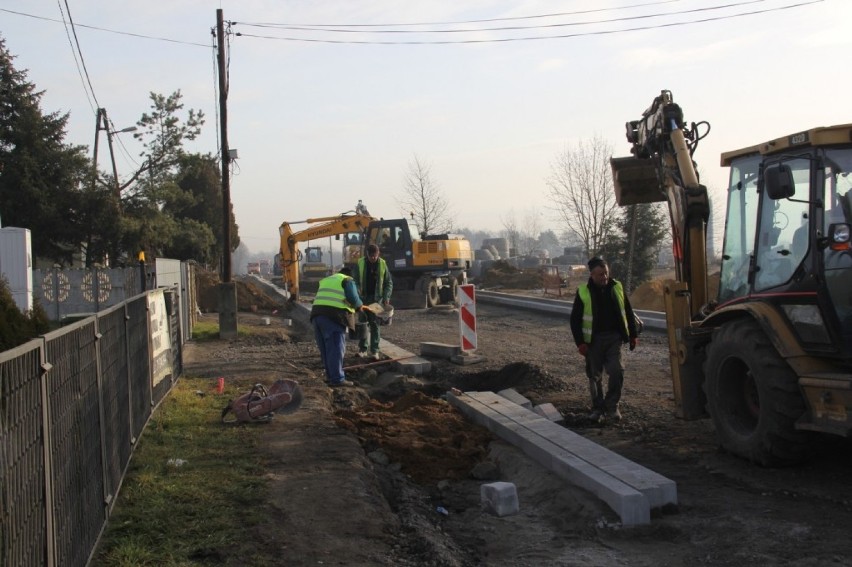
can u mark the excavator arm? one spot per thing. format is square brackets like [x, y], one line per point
[661, 170]
[328, 226]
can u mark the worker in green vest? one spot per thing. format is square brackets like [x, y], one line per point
[332, 313]
[602, 321]
[375, 285]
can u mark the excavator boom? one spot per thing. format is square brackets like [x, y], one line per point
[661, 169]
[328, 226]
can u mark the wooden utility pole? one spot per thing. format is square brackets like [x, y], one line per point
[227, 288]
[226, 157]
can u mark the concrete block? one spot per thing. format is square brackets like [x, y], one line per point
[466, 358]
[513, 396]
[499, 498]
[439, 350]
[548, 411]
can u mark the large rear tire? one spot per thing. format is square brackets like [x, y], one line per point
[429, 288]
[449, 293]
[753, 397]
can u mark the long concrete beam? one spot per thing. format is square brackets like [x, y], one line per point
[629, 489]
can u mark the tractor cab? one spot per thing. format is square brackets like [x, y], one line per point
[787, 234]
[394, 239]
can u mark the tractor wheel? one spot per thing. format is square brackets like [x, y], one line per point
[429, 288]
[753, 397]
[432, 298]
[449, 293]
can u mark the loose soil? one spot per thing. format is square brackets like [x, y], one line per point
[357, 475]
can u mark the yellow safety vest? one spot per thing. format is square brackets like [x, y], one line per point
[330, 292]
[588, 319]
[381, 274]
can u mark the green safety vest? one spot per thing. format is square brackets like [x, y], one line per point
[586, 298]
[381, 274]
[331, 294]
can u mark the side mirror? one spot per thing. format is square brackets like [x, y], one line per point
[839, 236]
[778, 182]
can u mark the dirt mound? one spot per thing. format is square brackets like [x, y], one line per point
[502, 274]
[522, 376]
[428, 436]
[649, 295]
[250, 297]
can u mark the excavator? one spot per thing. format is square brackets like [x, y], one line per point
[769, 359]
[425, 271]
[288, 257]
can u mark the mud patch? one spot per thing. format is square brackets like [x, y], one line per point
[427, 437]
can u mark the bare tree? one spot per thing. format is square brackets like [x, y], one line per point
[510, 231]
[530, 231]
[581, 188]
[424, 201]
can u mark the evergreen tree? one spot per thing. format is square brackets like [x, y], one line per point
[40, 176]
[633, 246]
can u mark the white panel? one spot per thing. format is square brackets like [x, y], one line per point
[16, 264]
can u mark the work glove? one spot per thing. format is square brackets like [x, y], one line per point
[583, 348]
[633, 342]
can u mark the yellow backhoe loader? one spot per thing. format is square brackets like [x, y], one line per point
[769, 359]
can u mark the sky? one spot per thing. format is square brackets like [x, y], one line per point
[321, 117]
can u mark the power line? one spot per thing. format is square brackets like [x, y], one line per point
[487, 20]
[80, 52]
[89, 96]
[533, 38]
[141, 36]
[348, 29]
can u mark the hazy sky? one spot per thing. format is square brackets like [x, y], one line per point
[320, 123]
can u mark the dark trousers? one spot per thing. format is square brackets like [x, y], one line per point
[375, 337]
[604, 355]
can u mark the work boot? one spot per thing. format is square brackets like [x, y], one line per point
[376, 356]
[363, 354]
[615, 415]
[595, 416]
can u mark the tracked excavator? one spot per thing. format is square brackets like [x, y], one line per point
[426, 271]
[769, 359]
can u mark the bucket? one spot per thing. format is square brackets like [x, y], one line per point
[361, 331]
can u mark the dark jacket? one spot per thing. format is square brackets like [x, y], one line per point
[605, 313]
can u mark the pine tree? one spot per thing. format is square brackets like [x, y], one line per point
[632, 249]
[40, 175]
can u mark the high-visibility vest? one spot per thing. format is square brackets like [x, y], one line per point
[588, 318]
[381, 274]
[330, 292]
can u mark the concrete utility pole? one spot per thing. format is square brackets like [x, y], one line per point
[227, 288]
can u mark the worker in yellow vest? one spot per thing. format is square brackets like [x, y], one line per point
[375, 285]
[601, 321]
[332, 313]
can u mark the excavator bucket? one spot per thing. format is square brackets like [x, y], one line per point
[636, 181]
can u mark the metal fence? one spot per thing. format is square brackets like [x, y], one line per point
[73, 404]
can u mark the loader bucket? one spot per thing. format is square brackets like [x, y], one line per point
[636, 181]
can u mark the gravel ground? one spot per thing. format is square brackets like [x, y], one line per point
[358, 474]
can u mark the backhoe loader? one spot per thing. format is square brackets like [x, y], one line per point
[770, 359]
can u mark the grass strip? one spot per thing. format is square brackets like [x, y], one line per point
[194, 492]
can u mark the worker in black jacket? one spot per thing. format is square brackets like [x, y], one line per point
[601, 321]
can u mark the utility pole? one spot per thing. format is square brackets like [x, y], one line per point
[227, 288]
[226, 157]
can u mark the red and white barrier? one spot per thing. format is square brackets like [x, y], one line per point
[467, 317]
